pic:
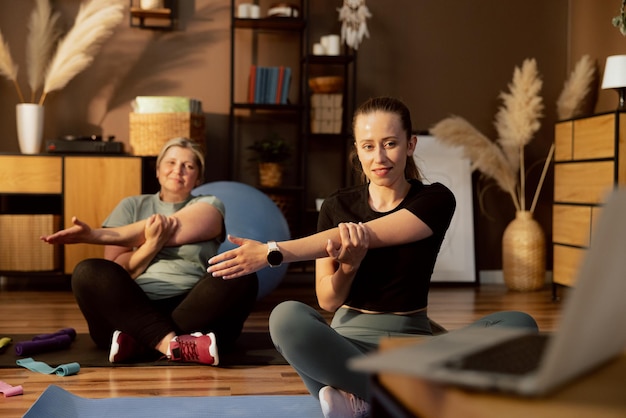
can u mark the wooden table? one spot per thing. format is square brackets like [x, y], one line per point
[600, 394]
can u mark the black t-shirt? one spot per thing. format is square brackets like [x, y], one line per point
[394, 278]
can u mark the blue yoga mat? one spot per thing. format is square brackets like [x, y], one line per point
[56, 402]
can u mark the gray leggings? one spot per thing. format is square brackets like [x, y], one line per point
[319, 352]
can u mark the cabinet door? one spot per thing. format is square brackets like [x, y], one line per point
[30, 174]
[93, 187]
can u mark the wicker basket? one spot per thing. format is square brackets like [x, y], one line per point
[524, 253]
[270, 174]
[150, 131]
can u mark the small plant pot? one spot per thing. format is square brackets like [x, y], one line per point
[270, 174]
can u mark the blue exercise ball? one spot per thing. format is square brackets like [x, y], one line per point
[250, 214]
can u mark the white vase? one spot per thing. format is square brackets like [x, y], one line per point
[29, 127]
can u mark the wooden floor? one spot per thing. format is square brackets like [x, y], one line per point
[31, 309]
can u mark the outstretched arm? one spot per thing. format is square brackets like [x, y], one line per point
[199, 221]
[81, 233]
[396, 228]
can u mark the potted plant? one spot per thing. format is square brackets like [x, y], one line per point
[271, 153]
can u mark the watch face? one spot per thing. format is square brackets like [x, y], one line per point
[274, 258]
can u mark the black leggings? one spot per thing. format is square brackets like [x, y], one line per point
[111, 300]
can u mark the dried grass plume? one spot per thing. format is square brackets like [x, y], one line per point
[576, 88]
[8, 68]
[94, 23]
[44, 31]
[516, 122]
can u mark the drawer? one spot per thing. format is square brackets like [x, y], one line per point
[563, 141]
[571, 225]
[594, 137]
[20, 246]
[566, 262]
[586, 182]
[30, 174]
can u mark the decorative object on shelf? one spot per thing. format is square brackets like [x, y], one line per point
[615, 77]
[326, 84]
[579, 94]
[326, 113]
[30, 118]
[328, 45]
[153, 14]
[353, 15]
[271, 153]
[619, 21]
[283, 10]
[151, 4]
[516, 123]
[94, 23]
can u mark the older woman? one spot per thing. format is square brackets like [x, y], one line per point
[151, 294]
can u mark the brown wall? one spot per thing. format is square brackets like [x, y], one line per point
[442, 57]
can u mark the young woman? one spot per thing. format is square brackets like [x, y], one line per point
[150, 295]
[375, 255]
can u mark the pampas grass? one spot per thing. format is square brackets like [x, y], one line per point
[94, 23]
[516, 122]
[576, 88]
[8, 68]
[44, 32]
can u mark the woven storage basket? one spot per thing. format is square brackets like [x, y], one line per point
[524, 253]
[150, 131]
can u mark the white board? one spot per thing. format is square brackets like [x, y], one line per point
[446, 165]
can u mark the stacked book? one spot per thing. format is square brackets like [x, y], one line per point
[269, 85]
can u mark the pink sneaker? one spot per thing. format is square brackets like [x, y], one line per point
[336, 403]
[195, 348]
[124, 348]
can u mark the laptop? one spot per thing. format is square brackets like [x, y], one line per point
[590, 332]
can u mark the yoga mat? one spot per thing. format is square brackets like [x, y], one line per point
[252, 349]
[56, 402]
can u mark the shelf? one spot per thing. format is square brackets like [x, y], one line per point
[160, 19]
[266, 106]
[270, 23]
[329, 59]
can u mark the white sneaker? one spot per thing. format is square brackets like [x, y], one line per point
[339, 404]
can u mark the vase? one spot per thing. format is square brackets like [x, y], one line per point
[524, 253]
[270, 174]
[29, 127]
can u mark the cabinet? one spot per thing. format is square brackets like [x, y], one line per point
[318, 164]
[41, 193]
[589, 160]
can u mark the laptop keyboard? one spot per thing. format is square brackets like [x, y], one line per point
[519, 355]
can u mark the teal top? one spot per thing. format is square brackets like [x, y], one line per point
[174, 270]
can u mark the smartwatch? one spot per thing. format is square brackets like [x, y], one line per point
[274, 256]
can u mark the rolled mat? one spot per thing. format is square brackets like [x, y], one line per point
[71, 332]
[28, 348]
